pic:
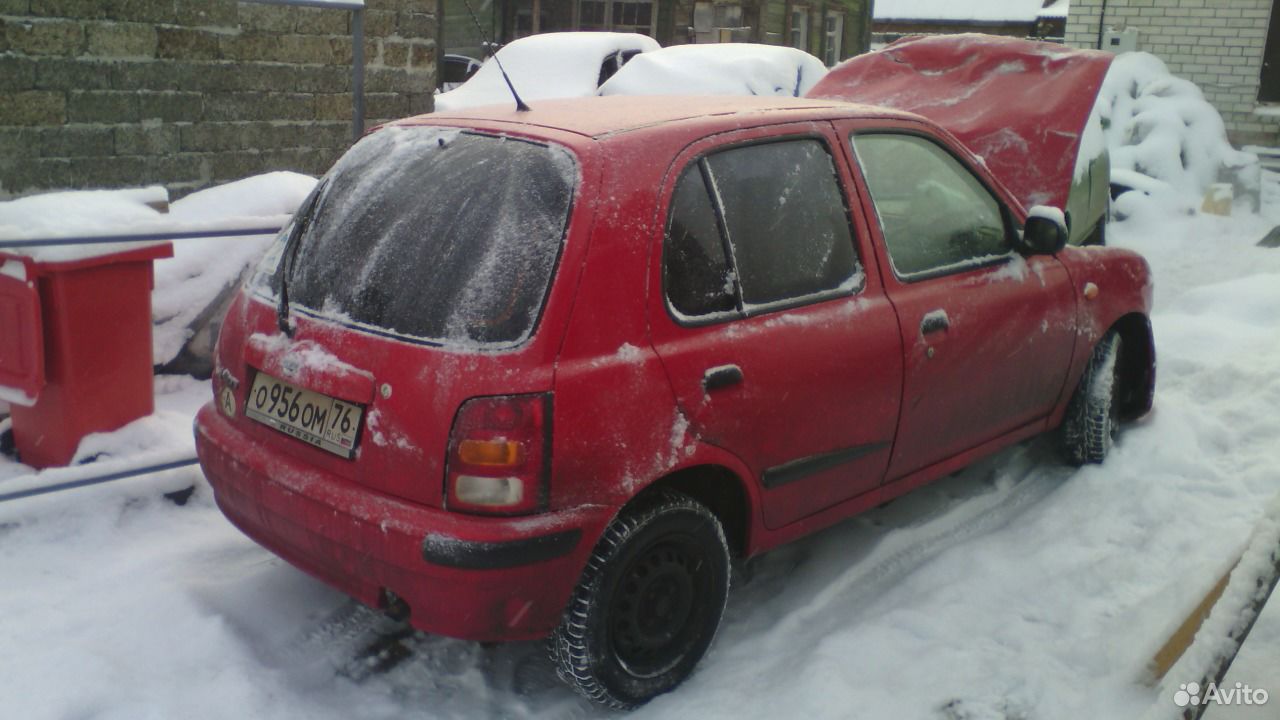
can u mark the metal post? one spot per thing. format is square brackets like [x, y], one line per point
[357, 50]
[357, 73]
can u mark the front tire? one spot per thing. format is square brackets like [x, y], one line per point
[648, 604]
[1092, 421]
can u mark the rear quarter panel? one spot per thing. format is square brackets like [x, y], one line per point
[616, 425]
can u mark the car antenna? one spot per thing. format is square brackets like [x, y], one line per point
[520, 106]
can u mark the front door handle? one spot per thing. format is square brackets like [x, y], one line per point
[721, 377]
[934, 321]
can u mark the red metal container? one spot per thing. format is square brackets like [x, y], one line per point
[76, 338]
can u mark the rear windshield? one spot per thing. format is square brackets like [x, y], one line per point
[435, 234]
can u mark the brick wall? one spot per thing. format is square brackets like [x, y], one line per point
[1216, 44]
[189, 93]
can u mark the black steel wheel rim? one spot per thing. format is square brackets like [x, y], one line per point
[657, 609]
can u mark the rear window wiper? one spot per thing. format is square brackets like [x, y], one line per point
[290, 251]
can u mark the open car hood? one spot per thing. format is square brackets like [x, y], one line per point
[1020, 105]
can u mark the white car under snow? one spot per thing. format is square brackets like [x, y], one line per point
[551, 65]
[718, 69]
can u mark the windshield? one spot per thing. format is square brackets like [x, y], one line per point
[435, 234]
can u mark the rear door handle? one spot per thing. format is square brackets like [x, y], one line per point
[934, 321]
[721, 377]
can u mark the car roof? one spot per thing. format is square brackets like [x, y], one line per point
[600, 116]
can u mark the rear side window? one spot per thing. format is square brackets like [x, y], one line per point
[786, 219]
[696, 270]
[436, 234]
[757, 226]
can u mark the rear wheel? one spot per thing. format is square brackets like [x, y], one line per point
[1092, 421]
[648, 604]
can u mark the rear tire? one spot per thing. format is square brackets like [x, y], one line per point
[1092, 421]
[648, 605]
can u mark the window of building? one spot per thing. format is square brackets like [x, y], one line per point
[636, 16]
[833, 31]
[1269, 87]
[800, 28]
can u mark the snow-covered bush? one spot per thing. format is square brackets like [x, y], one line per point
[1166, 142]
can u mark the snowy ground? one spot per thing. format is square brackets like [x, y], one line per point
[1257, 666]
[1017, 589]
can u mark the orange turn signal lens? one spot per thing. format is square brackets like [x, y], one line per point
[495, 453]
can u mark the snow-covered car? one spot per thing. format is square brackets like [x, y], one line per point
[627, 339]
[1026, 108]
[718, 69]
[550, 65]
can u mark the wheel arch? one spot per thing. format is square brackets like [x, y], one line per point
[721, 491]
[1138, 364]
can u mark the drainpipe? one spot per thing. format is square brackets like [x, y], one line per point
[1101, 18]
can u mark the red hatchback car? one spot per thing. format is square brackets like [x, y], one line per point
[531, 374]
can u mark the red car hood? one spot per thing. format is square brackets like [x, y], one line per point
[1019, 104]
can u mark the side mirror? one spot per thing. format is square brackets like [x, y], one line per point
[1045, 232]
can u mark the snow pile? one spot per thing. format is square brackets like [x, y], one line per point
[1235, 612]
[1165, 140]
[718, 69]
[191, 286]
[550, 65]
[79, 213]
[164, 436]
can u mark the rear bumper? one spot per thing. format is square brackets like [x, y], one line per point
[477, 578]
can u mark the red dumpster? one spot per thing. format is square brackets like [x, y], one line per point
[75, 347]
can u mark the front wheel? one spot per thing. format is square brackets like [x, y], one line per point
[648, 604]
[1092, 422]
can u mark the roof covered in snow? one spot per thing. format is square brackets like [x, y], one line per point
[1056, 9]
[967, 11]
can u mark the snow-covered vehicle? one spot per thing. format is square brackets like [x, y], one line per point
[550, 65]
[670, 334]
[718, 69]
[1025, 108]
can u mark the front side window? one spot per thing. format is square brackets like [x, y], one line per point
[755, 226]
[934, 214]
[435, 234]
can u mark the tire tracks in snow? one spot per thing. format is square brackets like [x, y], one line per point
[971, 504]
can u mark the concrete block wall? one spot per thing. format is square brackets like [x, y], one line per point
[190, 93]
[1217, 44]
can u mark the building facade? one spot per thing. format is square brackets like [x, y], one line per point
[190, 93]
[1037, 19]
[830, 29]
[1230, 48]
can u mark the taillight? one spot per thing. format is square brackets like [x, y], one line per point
[500, 455]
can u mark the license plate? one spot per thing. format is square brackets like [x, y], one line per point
[323, 421]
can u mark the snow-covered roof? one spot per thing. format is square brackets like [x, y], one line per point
[1056, 9]
[967, 11]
